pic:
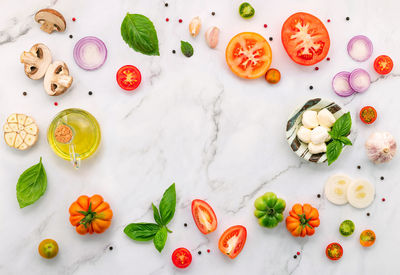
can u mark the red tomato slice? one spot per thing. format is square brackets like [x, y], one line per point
[129, 77]
[232, 241]
[181, 257]
[248, 55]
[368, 114]
[305, 38]
[334, 251]
[204, 216]
[383, 64]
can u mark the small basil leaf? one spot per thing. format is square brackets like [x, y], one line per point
[160, 238]
[333, 151]
[31, 185]
[342, 126]
[156, 215]
[139, 33]
[186, 49]
[345, 140]
[141, 231]
[168, 204]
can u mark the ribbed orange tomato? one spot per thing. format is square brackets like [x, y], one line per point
[302, 220]
[90, 215]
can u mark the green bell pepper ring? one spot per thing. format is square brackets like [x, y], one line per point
[269, 210]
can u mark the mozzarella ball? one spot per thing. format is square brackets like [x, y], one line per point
[316, 148]
[318, 135]
[328, 138]
[310, 119]
[304, 134]
[325, 118]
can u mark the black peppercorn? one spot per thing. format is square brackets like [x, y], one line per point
[319, 195]
[311, 87]
[185, 224]
[70, 36]
[213, 13]
[347, 18]
[358, 167]
[382, 178]
[166, 4]
[173, 51]
[199, 252]
[90, 92]
[270, 39]
[295, 256]
[111, 248]
[368, 214]
[24, 93]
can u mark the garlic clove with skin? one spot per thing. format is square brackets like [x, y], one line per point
[381, 147]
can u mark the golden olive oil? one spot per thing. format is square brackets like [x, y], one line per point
[86, 135]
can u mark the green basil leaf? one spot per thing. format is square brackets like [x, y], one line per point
[31, 185]
[168, 204]
[156, 215]
[141, 231]
[333, 151]
[186, 49]
[139, 33]
[342, 126]
[345, 140]
[160, 238]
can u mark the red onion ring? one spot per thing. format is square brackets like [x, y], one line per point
[359, 80]
[340, 84]
[360, 48]
[90, 53]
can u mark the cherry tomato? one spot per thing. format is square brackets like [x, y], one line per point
[248, 55]
[368, 114]
[232, 241]
[181, 257]
[48, 248]
[367, 238]
[273, 76]
[129, 77]
[305, 39]
[204, 216]
[383, 64]
[334, 251]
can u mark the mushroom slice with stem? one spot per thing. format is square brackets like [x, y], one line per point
[36, 61]
[57, 79]
[51, 20]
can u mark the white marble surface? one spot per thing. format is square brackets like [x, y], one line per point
[193, 122]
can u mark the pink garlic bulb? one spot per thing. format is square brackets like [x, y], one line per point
[381, 147]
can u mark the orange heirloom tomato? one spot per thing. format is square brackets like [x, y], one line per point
[367, 238]
[302, 220]
[90, 215]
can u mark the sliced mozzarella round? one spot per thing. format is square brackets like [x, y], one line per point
[336, 188]
[360, 193]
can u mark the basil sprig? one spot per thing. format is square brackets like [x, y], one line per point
[31, 185]
[340, 130]
[139, 33]
[156, 231]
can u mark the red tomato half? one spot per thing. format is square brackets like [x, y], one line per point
[181, 257]
[232, 241]
[368, 114]
[305, 38]
[334, 251]
[129, 77]
[383, 64]
[204, 216]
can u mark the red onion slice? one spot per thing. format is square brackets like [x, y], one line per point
[340, 84]
[90, 53]
[360, 48]
[359, 80]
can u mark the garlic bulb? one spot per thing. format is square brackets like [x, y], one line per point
[381, 147]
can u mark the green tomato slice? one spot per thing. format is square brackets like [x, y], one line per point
[246, 10]
[346, 228]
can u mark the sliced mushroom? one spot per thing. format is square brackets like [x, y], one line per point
[51, 20]
[36, 61]
[57, 79]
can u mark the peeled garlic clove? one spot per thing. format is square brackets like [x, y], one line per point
[381, 147]
[318, 135]
[212, 37]
[316, 148]
[194, 26]
[310, 119]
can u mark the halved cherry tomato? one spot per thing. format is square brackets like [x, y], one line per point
[305, 38]
[232, 241]
[248, 55]
[334, 251]
[204, 216]
[367, 238]
[383, 64]
[181, 257]
[368, 114]
[273, 76]
[48, 248]
[129, 77]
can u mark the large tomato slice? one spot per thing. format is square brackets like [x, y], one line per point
[181, 257]
[128, 77]
[248, 55]
[204, 216]
[305, 38]
[232, 241]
